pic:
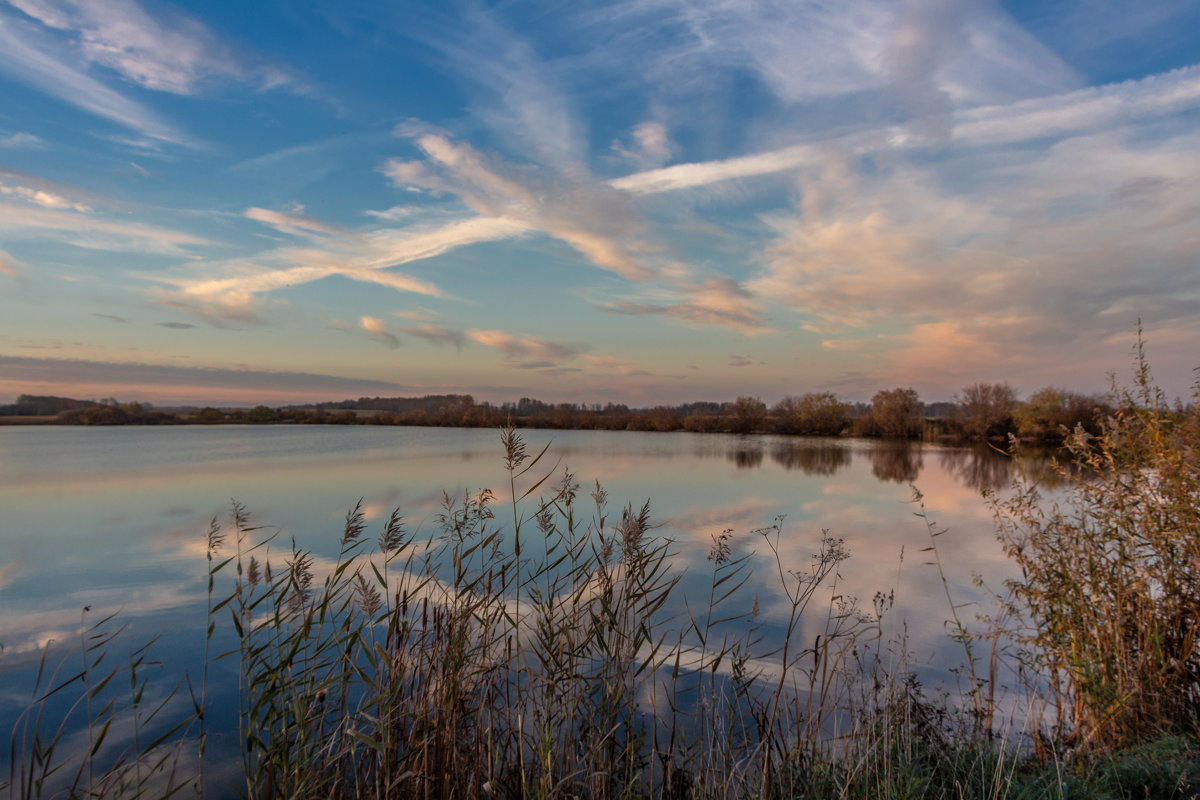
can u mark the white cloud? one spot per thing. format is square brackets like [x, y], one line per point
[1093, 109]
[38, 67]
[232, 289]
[174, 54]
[513, 90]
[91, 231]
[595, 220]
[21, 139]
[292, 223]
[42, 197]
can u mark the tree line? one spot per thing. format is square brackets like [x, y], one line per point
[979, 411]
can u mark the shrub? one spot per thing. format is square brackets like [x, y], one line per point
[1110, 576]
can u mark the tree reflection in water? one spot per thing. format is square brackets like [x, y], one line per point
[984, 467]
[811, 457]
[747, 454]
[897, 462]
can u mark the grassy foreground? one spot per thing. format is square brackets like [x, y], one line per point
[522, 649]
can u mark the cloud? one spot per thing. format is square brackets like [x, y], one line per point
[176, 326]
[111, 318]
[42, 198]
[104, 377]
[378, 329]
[8, 267]
[436, 335]
[92, 231]
[687, 176]
[174, 53]
[17, 140]
[232, 289]
[651, 145]
[515, 347]
[715, 301]
[293, 223]
[22, 59]
[918, 275]
[516, 93]
[1092, 109]
[596, 221]
[926, 32]
[740, 361]
[613, 363]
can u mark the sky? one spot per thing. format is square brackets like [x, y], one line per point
[633, 201]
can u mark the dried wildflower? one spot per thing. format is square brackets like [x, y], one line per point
[720, 550]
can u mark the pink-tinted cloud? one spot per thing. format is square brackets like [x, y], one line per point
[524, 347]
[378, 329]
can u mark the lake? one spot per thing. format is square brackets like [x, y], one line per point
[114, 519]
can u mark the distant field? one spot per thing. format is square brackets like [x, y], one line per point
[26, 420]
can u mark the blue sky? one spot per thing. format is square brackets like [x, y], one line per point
[639, 201]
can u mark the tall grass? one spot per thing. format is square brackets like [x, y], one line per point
[1110, 576]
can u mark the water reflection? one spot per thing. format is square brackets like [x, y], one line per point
[114, 519]
[981, 467]
[820, 457]
[897, 462]
[747, 455]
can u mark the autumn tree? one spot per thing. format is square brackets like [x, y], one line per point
[893, 413]
[1050, 414]
[812, 414]
[745, 414]
[986, 410]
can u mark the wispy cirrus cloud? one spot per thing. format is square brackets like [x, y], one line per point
[92, 231]
[514, 91]
[294, 222]
[42, 68]
[8, 267]
[599, 223]
[234, 289]
[169, 53]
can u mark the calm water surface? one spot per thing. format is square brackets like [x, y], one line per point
[114, 518]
